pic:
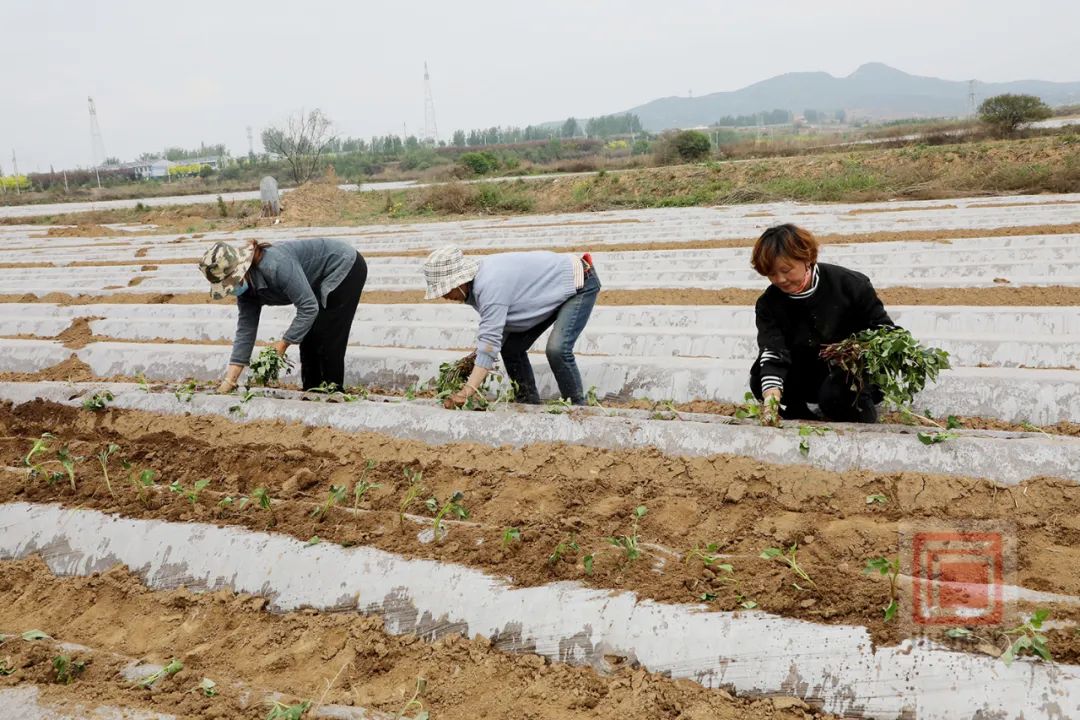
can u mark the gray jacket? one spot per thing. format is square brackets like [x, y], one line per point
[514, 292]
[301, 273]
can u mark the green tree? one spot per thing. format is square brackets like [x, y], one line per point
[479, 163]
[691, 145]
[1005, 113]
[459, 138]
[569, 128]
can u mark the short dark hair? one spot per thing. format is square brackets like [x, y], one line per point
[785, 240]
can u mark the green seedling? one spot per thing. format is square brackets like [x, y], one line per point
[452, 376]
[337, 494]
[1033, 428]
[936, 437]
[362, 486]
[1028, 637]
[952, 423]
[565, 545]
[186, 390]
[767, 412]
[267, 366]
[244, 399]
[511, 534]
[169, 670]
[142, 482]
[629, 543]
[193, 493]
[959, 633]
[414, 703]
[263, 499]
[709, 555]
[63, 458]
[411, 390]
[228, 501]
[889, 358]
[451, 506]
[708, 596]
[805, 433]
[587, 563]
[559, 405]
[877, 498]
[208, 687]
[66, 670]
[98, 401]
[314, 540]
[281, 711]
[415, 489]
[32, 635]
[592, 398]
[41, 445]
[890, 569]
[745, 603]
[143, 385]
[103, 458]
[789, 558]
[6, 668]
[67, 461]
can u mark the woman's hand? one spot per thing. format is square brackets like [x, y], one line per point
[280, 347]
[226, 387]
[228, 383]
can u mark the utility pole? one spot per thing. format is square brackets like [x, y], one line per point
[971, 96]
[251, 144]
[97, 145]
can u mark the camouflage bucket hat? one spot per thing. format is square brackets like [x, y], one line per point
[225, 266]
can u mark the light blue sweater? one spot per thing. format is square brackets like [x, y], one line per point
[513, 292]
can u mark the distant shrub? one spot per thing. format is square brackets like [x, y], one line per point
[479, 163]
[1005, 113]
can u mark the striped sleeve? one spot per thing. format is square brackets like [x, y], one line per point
[774, 358]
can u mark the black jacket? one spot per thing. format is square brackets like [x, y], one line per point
[791, 330]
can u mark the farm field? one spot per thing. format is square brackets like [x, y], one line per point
[615, 561]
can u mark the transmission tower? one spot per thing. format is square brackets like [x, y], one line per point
[15, 166]
[431, 130]
[97, 145]
[251, 143]
[971, 96]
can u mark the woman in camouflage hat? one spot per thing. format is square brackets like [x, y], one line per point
[323, 278]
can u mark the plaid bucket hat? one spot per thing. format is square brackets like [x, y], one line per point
[225, 266]
[446, 268]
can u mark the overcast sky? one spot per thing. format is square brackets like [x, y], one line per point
[191, 71]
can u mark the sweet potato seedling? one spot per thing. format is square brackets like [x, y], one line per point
[767, 412]
[6, 668]
[936, 437]
[890, 569]
[169, 670]
[592, 397]
[567, 544]
[238, 409]
[558, 406]
[415, 489]
[98, 401]
[1029, 637]
[142, 482]
[629, 543]
[414, 703]
[789, 558]
[263, 499]
[267, 366]
[32, 635]
[805, 433]
[67, 670]
[103, 458]
[186, 390]
[208, 687]
[876, 498]
[337, 494]
[281, 711]
[710, 556]
[193, 493]
[511, 534]
[362, 486]
[64, 459]
[453, 506]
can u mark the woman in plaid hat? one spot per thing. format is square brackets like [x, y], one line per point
[323, 278]
[519, 296]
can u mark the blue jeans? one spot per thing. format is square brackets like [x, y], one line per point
[566, 324]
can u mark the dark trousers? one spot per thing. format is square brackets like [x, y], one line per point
[322, 351]
[828, 387]
[566, 324]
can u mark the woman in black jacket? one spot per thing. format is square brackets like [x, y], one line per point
[808, 305]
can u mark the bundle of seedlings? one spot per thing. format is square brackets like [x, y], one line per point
[890, 359]
[268, 366]
[452, 376]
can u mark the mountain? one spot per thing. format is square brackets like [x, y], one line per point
[874, 91]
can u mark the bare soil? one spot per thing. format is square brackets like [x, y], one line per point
[555, 493]
[340, 658]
